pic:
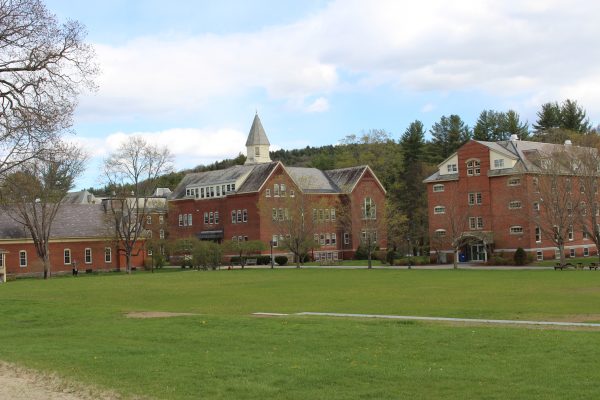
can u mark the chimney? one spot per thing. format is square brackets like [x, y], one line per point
[514, 138]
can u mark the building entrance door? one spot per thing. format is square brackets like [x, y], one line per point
[478, 252]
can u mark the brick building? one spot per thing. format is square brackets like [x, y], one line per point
[248, 202]
[488, 193]
[81, 236]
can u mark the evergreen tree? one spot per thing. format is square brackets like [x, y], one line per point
[548, 118]
[573, 117]
[412, 143]
[448, 135]
[489, 126]
[512, 125]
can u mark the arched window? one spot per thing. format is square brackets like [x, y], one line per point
[369, 209]
[440, 232]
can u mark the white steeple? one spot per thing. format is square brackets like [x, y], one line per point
[257, 145]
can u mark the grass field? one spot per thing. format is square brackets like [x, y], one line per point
[77, 328]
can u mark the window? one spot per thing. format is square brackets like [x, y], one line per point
[475, 223]
[315, 215]
[233, 217]
[274, 214]
[185, 220]
[149, 234]
[514, 204]
[228, 188]
[268, 193]
[161, 234]
[240, 238]
[148, 219]
[333, 214]
[275, 241]
[218, 191]
[322, 236]
[568, 185]
[206, 217]
[161, 219]
[583, 208]
[439, 210]
[333, 239]
[536, 206]
[216, 217]
[189, 218]
[257, 151]
[67, 256]
[346, 238]
[211, 217]
[570, 232]
[440, 232]
[180, 220]
[276, 190]
[107, 254]
[539, 255]
[87, 256]
[586, 234]
[473, 168]
[536, 186]
[327, 214]
[586, 251]
[149, 252]
[499, 163]
[514, 181]
[475, 198]
[245, 215]
[282, 190]
[280, 214]
[233, 187]
[438, 188]
[369, 209]
[292, 193]
[516, 230]
[538, 234]
[452, 168]
[572, 253]
[239, 216]
[327, 239]
[316, 238]
[22, 259]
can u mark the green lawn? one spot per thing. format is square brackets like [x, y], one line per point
[76, 327]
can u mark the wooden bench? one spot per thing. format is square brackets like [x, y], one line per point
[251, 261]
[565, 266]
[593, 266]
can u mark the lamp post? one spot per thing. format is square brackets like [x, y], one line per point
[271, 243]
[409, 252]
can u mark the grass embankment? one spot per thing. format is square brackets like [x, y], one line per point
[77, 328]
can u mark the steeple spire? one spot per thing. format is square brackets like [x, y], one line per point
[257, 145]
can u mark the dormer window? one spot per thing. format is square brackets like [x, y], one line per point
[257, 151]
[452, 168]
[473, 168]
[499, 163]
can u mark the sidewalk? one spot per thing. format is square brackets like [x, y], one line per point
[462, 266]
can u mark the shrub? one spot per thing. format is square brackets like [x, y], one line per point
[520, 256]
[281, 260]
[263, 260]
[235, 260]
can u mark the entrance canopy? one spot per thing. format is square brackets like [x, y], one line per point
[210, 235]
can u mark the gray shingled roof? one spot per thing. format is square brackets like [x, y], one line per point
[210, 178]
[72, 221]
[257, 135]
[346, 178]
[257, 177]
[312, 180]
[81, 197]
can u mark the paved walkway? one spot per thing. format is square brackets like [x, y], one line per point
[415, 267]
[441, 319]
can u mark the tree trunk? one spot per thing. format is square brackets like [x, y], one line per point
[46, 262]
[370, 260]
[455, 259]
[561, 248]
[128, 262]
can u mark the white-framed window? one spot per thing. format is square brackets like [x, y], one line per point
[189, 218]
[586, 251]
[276, 190]
[585, 234]
[280, 214]
[275, 241]
[216, 217]
[536, 186]
[206, 217]
[473, 168]
[570, 233]
[292, 193]
[346, 238]
[180, 220]
[572, 253]
[514, 204]
[475, 198]
[245, 215]
[316, 238]
[67, 256]
[369, 209]
[282, 190]
[538, 234]
[439, 210]
[161, 234]
[539, 255]
[333, 239]
[475, 223]
[327, 239]
[322, 238]
[514, 181]
[327, 214]
[149, 234]
[239, 216]
[268, 193]
[440, 232]
[148, 219]
[233, 216]
[274, 214]
[499, 163]
[149, 252]
[161, 219]
[211, 217]
[22, 258]
[516, 230]
[87, 256]
[452, 168]
[107, 254]
[218, 191]
[201, 193]
[333, 214]
[438, 188]
[536, 206]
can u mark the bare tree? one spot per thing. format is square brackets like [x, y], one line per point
[132, 172]
[455, 231]
[244, 248]
[43, 67]
[33, 192]
[557, 196]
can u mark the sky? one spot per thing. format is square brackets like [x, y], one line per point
[190, 75]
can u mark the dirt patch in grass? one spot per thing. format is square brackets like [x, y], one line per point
[156, 314]
[17, 383]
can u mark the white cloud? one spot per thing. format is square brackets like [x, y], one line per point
[502, 48]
